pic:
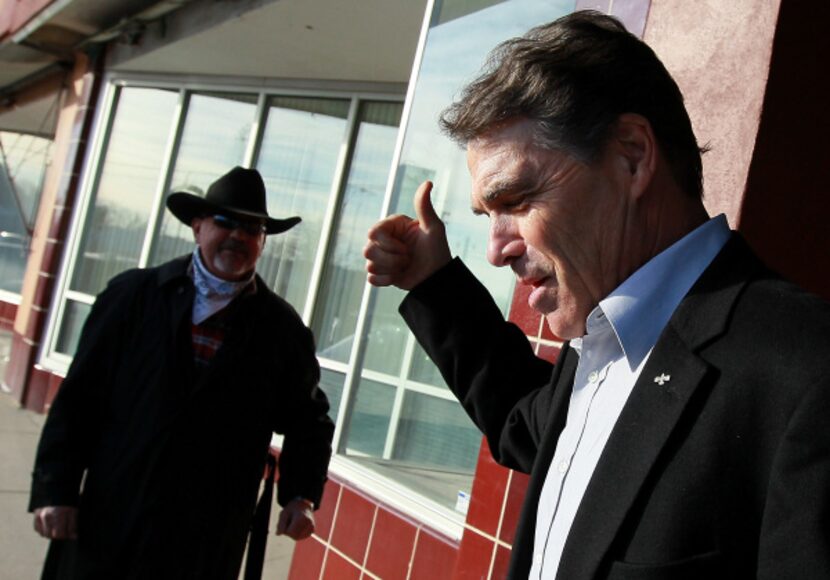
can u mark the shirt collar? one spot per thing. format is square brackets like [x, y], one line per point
[211, 286]
[642, 305]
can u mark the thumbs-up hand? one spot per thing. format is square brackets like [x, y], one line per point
[403, 251]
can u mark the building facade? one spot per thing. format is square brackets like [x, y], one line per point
[108, 105]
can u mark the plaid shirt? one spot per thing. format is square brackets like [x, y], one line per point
[209, 335]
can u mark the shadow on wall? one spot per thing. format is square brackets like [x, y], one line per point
[787, 201]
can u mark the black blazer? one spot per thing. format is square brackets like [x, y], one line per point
[721, 472]
[172, 459]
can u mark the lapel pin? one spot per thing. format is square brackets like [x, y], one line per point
[662, 379]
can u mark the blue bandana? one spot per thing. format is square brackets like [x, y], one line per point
[212, 293]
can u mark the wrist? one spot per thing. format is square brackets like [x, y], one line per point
[305, 502]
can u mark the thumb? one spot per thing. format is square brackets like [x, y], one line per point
[423, 207]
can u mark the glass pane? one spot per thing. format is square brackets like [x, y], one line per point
[14, 253]
[436, 432]
[23, 162]
[423, 370]
[344, 277]
[25, 159]
[370, 418]
[436, 446]
[123, 201]
[331, 383]
[74, 316]
[216, 132]
[298, 160]
[385, 352]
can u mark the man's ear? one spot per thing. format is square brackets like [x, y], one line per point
[196, 226]
[638, 149]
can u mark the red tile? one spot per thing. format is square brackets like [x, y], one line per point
[307, 560]
[434, 558]
[352, 524]
[50, 261]
[324, 516]
[391, 547]
[489, 487]
[523, 315]
[547, 334]
[8, 312]
[474, 557]
[338, 568]
[58, 225]
[502, 563]
[548, 352]
[21, 359]
[34, 324]
[36, 390]
[513, 506]
[55, 382]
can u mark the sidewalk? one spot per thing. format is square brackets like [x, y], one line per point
[21, 549]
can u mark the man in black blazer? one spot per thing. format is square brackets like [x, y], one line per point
[683, 431]
[151, 457]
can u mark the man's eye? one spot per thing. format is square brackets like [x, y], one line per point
[513, 203]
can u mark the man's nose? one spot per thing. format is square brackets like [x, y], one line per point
[504, 243]
[241, 234]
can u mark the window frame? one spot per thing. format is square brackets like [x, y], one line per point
[444, 520]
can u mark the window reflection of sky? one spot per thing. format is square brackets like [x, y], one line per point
[454, 55]
[216, 134]
[134, 155]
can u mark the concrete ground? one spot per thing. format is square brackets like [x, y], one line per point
[21, 549]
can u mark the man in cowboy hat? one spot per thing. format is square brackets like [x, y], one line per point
[153, 451]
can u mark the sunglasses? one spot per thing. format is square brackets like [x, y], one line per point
[229, 223]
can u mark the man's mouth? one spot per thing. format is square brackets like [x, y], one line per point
[235, 248]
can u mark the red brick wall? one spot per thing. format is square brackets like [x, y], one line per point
[358, 537]
[8, 311]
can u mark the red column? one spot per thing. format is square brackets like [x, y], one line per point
[32, 386]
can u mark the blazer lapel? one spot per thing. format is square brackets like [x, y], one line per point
[641, 432]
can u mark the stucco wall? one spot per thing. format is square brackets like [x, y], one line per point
[718, 52]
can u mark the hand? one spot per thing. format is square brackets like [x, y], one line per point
[404, 252]
[296, 519]
[57, 522]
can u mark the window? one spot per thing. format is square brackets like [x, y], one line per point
[336, 159]
[23, 163]
[405, 423]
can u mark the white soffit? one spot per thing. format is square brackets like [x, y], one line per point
[348, 40]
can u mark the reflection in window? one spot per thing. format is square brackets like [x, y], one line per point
[428, 428]
[298, 159]
[331, 383]
[23, 163]
[344, 278]
[125, 194]
[436, 432]
[216, 132]
[74, 316]
[370, 419]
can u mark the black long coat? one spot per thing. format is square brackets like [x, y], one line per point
[172, 460]
[722, 472]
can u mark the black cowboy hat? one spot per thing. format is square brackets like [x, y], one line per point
[239, 193]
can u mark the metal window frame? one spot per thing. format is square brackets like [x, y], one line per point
[447, 521]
